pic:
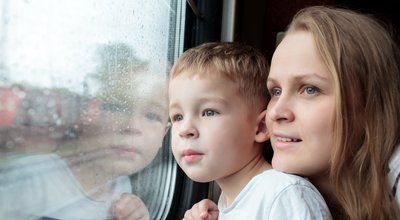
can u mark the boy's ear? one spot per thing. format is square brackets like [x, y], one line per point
[262, 131]
[167, 127]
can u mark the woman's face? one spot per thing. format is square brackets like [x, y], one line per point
[300, 114]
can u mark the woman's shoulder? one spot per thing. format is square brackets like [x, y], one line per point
[394, 167]
[394, 174]
[394, 163]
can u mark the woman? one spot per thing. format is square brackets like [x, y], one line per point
[334, 113]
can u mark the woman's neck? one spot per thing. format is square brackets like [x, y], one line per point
[325, 187]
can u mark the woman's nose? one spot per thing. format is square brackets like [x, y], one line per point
[280, 110]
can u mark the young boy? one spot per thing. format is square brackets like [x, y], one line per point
[217, 102]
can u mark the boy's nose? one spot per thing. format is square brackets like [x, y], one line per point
[188, 130]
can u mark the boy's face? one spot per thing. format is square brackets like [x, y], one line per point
[213, 128]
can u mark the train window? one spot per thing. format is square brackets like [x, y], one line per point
[83, 107]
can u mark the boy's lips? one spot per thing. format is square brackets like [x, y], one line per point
[191, 156]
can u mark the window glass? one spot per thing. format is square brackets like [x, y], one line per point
[83, 107]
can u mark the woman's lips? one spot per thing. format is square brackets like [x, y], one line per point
[283, 142]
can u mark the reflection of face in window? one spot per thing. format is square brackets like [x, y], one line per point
[135, 137]
[127, 136]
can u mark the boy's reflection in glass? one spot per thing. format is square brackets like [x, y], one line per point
[90, 181]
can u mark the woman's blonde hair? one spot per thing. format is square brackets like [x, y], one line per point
[364, 62]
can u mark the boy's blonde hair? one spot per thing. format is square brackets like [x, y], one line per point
[240, 63]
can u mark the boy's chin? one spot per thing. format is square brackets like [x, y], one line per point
[199, 178]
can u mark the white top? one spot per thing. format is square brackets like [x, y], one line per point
[275, 195]
[394, 174]
[43, 186]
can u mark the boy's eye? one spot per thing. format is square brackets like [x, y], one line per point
[276, 92]
[178, 118]
[209, 113]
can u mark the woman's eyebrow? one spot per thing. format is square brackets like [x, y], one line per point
[311, 76]
[299, 77]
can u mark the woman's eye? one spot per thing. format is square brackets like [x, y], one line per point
[310, 90]
[209, 113]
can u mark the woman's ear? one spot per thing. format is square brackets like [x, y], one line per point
[262, 134]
